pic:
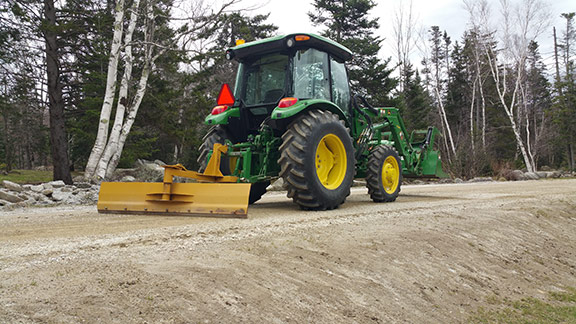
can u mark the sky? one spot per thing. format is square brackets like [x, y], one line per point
[291, 16]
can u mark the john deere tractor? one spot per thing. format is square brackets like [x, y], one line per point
[291, 115]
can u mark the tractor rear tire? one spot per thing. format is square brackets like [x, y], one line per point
[317, 161]
[384, 174]
[217, 134]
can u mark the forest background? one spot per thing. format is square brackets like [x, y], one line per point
[95, 85]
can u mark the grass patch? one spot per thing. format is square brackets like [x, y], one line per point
[560, 307]
[27, 176]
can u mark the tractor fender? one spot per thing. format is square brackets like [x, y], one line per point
[222, 118]
[308, 104]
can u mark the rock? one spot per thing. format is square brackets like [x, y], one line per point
[27, 187]
[37, 188]
[458, 180]
[554, 174]
[516, 175]
[502, 179]
[149, 171]
[445, 180]
[83, 185]
[12, 186]
[531, 176]
[128, 178]
[23, 196]
[4, 195]
[57, 183]
[545, 168]
[417, 182]
[66, 189]
[79, 179]
[542, 174]
[4, 202]
[480, 179]
[47, 192]
[59, 195]
[47, 185]
[359, 183]
[88, 197]
[159, 162]
[37, 196]
[277, 185]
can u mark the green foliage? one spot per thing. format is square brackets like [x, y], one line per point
[348, 22]
[414, 101]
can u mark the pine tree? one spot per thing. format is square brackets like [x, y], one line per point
[565, 100]
[537, 102]
[214, 70]
[348, 23]
[414, 101]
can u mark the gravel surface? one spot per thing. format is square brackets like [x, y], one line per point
[434, 256]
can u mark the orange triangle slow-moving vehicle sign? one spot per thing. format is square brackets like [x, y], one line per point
[225, 97]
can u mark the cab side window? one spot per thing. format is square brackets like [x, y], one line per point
[340, 88]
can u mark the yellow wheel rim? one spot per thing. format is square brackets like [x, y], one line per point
[331, 161]
[390, 175]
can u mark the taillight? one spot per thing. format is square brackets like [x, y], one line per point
[287, 102]
[219, 109]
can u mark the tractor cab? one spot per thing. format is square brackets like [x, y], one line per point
[278, 74]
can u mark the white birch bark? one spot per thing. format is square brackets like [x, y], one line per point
[133, 111]
[445, 120]
[112, 145]
[104, 122]
[472, 103]
[128, 121]
[502, 91]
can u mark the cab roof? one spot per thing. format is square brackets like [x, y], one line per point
[285, 42]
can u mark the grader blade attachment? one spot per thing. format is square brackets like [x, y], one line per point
[214, 195]
[201, 199]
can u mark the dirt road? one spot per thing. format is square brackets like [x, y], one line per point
[434, 256]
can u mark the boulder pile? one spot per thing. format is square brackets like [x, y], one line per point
[47, 194]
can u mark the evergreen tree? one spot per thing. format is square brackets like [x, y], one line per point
[414, 101]
[214, 70]
[565, 100]
[348, 23]
[537, 103]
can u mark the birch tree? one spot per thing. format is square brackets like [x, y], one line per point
[152, 44]
[479, 13]
[404, 31]
[436, 66]
[520, 25]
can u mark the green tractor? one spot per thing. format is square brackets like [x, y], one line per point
[291, 115]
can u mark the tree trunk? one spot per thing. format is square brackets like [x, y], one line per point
[571, 156]
[58, 140]
[104, 122]
[132, 112]
[112, 146]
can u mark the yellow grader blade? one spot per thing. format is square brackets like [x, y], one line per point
[203, 199]
[216, 195]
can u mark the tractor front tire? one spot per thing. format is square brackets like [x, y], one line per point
[317, 161]
[384, 174]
